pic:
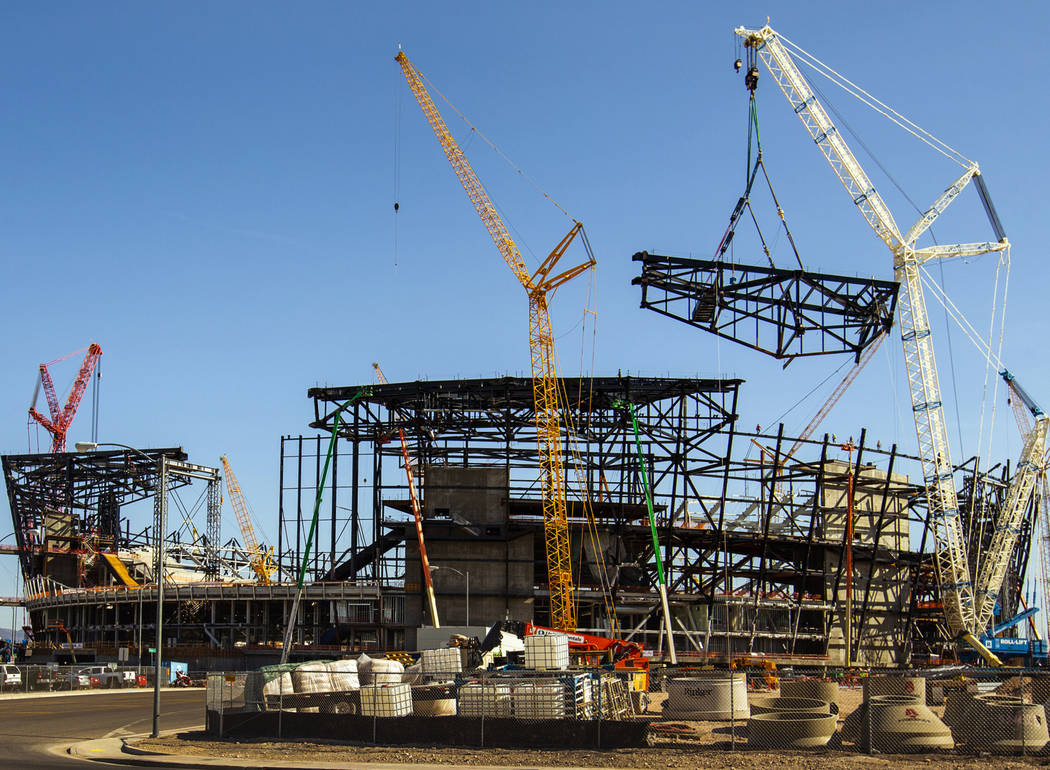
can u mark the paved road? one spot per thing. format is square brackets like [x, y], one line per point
[29, 726]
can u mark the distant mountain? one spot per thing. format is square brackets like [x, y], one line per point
[5, 633]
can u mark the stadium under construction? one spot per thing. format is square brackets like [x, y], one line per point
[752, 528]
[621, 506]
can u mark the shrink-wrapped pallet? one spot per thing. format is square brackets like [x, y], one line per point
[277, 683]
[344, 675]
[387, 672]
[309, 679]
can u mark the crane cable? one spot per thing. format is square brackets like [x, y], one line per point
[397, 162]
[955, 156]
[754, 149]
[493, 146]
[880, 107]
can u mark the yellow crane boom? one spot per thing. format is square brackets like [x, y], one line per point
[257, 556]
[539, 286]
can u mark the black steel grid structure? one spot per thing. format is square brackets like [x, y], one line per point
[784, 313]
[738, 528]
[90, 487]
[688, 423]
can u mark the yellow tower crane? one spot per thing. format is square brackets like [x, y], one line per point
[259, 558]
[539, 286]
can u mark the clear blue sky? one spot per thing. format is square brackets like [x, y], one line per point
[207, 190]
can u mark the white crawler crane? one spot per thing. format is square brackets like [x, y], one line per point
[967, 606]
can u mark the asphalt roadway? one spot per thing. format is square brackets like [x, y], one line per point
[30, 727]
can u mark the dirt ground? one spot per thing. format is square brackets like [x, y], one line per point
[680, 756]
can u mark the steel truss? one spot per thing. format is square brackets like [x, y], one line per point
[753, 542]
[784, 313]
[491, 422]
[87, 491]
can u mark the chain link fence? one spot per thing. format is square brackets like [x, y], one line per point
[962, 714]
[34, 678]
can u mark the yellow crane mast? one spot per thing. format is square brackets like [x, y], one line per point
[258, 557]
[539, 286]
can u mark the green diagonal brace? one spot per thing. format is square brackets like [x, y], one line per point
[617, 404]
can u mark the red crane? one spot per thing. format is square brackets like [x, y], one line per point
[61, 418]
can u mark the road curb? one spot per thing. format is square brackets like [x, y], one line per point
[77, 693]
[116, 751]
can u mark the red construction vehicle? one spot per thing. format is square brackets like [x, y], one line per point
[583, 648]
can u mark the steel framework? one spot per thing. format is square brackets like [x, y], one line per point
[784, 313]
[86, 491]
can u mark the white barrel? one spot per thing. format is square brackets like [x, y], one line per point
[713, 697]
[895, 685]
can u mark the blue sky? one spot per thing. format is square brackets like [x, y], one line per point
[207, 190]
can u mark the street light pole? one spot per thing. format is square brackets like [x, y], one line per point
[465, 574]
[160, 524]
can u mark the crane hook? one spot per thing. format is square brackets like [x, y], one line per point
[751, 78]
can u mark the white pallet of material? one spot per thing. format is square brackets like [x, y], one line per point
[483, 699]
[540, 699]
[312, 678]
[344, 675]
[549, 652]
[388, 700]
[445, 661]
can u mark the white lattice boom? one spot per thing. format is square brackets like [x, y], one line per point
[953, 573]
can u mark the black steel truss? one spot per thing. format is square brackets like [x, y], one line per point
[91, 487]
[686, 423]
[783, 313]
[735, 526]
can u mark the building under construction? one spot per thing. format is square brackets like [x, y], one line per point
[753, 531]
[809, 548]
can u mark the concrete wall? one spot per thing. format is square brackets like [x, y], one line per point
[478, 494]
[882, 641]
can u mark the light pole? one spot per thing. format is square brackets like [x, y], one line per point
[13, 620]
[160, 521]
[466, 576]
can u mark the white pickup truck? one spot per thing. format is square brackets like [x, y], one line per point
[104, 676]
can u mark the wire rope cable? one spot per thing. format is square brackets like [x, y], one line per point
[881, 107]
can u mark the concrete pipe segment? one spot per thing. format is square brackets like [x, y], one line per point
[895, 685]
[790, 730]
[956, 708]
[810, 688]
[715, 697]
[765, 704]
[856, 722]
[1005, 727]
[898, 724]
